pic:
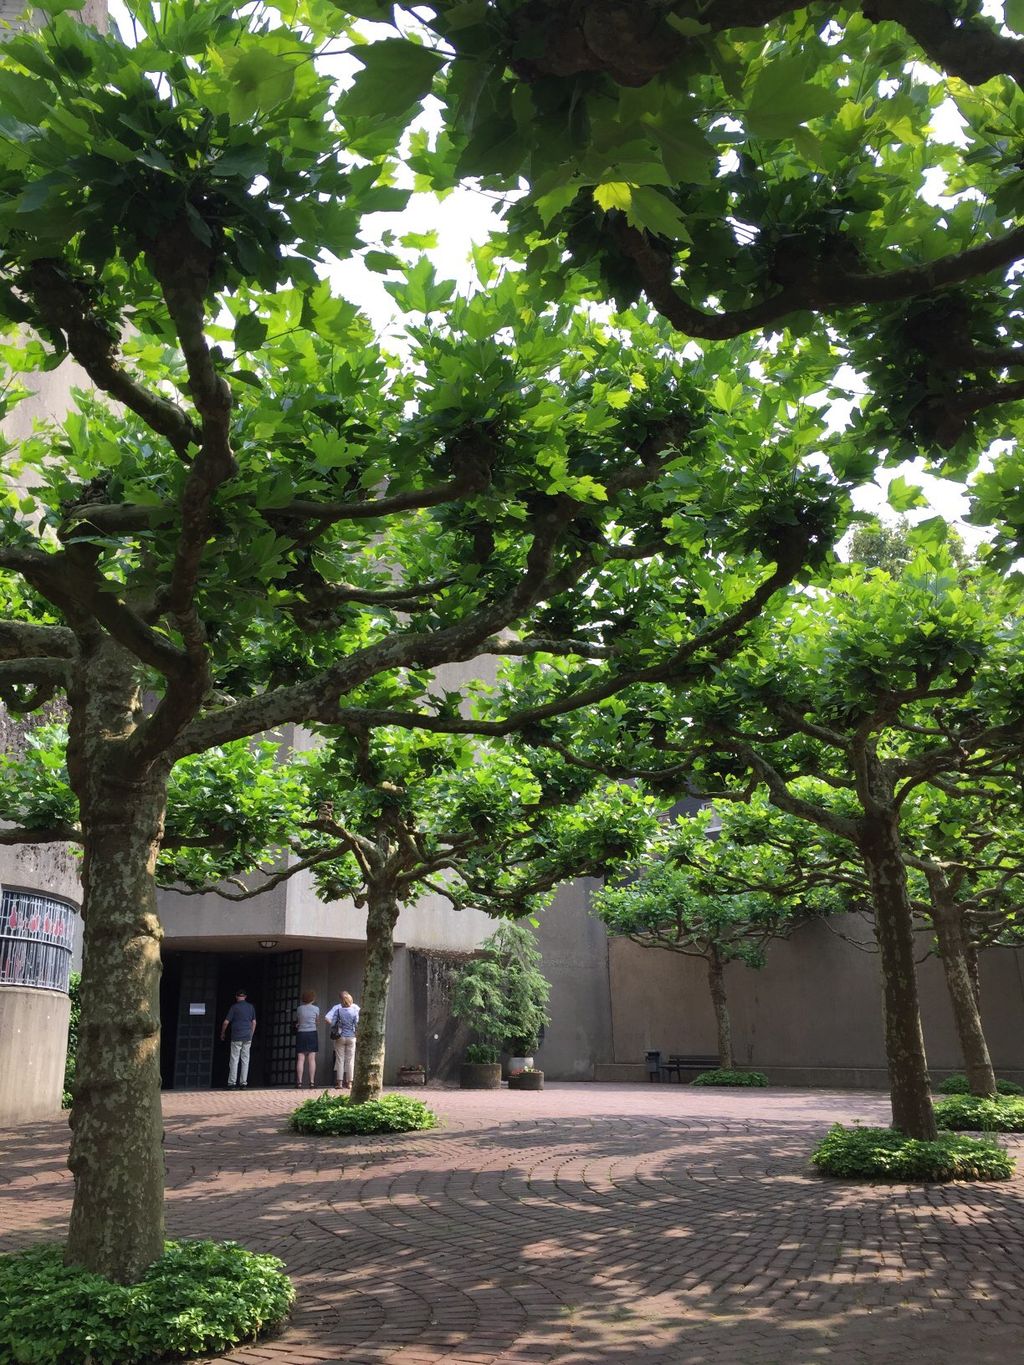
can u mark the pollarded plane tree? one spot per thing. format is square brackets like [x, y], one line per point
[962, 837]
[746, 167]
[254, 516]
[873, 691]
[705, 895]
[392, 814]
[961, 844]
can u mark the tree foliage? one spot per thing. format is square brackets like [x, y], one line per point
[707, 886]
[256, 515]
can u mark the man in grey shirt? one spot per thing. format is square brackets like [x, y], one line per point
[241, 1020]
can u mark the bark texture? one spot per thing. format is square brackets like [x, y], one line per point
[949, 930]
[912, 1111]
[117, 1219]
[381, 916]
[716, 984]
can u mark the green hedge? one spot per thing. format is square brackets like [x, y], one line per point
[333, 1114]
[883, 1154]
[974, 1114]
[200, 1298]
[75, 992]
[959, 1085]
[720, 1077]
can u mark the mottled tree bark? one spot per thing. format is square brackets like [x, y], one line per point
[381, 915]
[117, 1219]
[912, 1111]
[716, 983]
[949, 930]
[973, 969]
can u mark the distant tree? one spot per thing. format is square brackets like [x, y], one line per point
[841, 706]
[391, 814]
[709, 897]
[891, 546]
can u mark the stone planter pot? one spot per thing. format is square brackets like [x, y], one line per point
[529, 1080]
[411, 1076]
[519, 1064]
[480, 1075]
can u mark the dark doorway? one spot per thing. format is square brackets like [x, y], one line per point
[196, 992]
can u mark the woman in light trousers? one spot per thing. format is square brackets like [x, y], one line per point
[344, 1021]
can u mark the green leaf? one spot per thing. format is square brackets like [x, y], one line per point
[396, 76]
[688, 156]
[260, 79]
[781, 99]
[1013, 13]
[904, 496]
[551, 204]
[615, 195]
[250, 332]
[656, 213]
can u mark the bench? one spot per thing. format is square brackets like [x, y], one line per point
[677, 1063]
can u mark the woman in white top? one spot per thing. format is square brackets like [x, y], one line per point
[307, 1041]
[344, 1021]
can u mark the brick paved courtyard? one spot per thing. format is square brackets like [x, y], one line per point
[589, 1223]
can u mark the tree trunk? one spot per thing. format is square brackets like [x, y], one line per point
[381, 914]
[117, 1219]
[973, 969]
[716, 982]
[949, 930]
[912, 1111]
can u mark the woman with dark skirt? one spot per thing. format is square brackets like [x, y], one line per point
[307, 1040]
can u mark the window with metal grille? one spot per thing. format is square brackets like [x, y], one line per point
[37, 934]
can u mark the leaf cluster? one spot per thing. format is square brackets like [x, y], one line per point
[958, 1084]
[336, 1115]
[757, 1079]
[973, 1114]
[200, 1298]
[71, 1060]
[884, 1154]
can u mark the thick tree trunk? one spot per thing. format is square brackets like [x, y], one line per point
[117, 1220]
[381, 915]
[716, 983]
[912, 1111]
[949, 930]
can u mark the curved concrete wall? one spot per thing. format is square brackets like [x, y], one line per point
[33, 1045]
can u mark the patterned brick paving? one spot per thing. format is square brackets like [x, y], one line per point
[589, 1223]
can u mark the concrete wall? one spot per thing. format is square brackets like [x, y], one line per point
[33, 1044]
[574, 958]
[812, 1016]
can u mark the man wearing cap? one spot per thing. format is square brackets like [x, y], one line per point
[241, 1020]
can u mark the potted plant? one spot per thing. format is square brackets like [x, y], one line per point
[481, 1070]
[411, 1075]
[520, 1053]
[501, 995]
[528, 1078]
